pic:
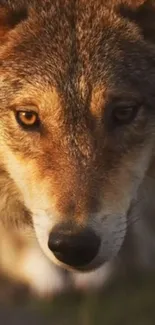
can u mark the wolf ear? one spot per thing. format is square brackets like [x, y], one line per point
[10, 17]
[142, 12]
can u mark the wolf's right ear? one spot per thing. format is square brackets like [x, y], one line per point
[10, 17]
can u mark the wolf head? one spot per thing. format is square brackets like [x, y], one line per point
[77, 118]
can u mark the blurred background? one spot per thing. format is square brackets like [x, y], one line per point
[128, 300]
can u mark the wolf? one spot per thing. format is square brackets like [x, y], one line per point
[77, 129]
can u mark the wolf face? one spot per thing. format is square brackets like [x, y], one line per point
[77, 119]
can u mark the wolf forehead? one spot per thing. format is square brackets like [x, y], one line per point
[64, 38]
[66, 43]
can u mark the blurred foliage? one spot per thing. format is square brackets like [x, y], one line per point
[125, 301]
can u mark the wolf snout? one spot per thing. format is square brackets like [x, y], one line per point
[76, 248]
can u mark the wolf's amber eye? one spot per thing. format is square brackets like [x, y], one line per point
[124, 115]
[28, 119]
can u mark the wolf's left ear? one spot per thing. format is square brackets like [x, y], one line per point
[10, 17]
[142, 12]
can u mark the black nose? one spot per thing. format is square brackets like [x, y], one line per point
[74, 248]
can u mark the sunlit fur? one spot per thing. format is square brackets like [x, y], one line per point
[73, 63]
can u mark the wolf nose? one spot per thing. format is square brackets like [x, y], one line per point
[74, 248]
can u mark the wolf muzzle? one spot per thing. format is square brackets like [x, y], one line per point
[74, 247]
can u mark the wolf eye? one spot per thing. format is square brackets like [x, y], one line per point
[28, 119]
[124, 115]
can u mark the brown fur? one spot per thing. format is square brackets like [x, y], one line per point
[73, 62]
